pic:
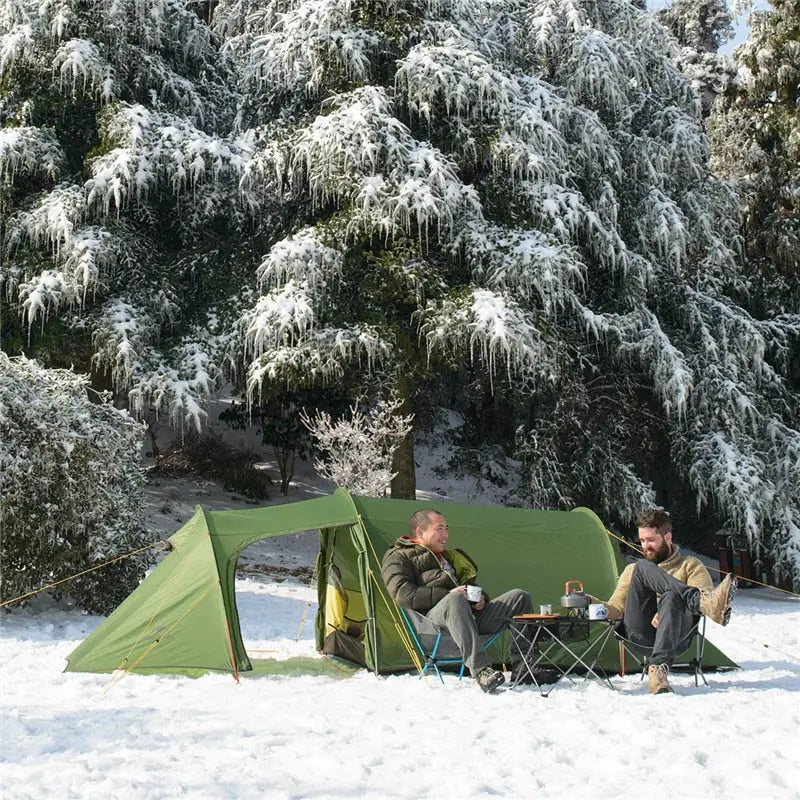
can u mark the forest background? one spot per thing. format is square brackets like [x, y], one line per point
[573, 223]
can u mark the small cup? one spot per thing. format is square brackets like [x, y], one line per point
[474, 593]
[597, 611]
[546, 610]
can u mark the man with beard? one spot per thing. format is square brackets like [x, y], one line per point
[658, 596]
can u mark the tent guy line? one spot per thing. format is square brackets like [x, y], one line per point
[164, 546]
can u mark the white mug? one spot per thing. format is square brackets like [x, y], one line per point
[597, 611]
[474, 594]
[545, 610]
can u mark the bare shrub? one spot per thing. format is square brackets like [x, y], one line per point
[356, 453]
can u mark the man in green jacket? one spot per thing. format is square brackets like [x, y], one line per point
[421, 574]
[658, 597]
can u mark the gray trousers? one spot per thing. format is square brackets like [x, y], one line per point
[454, 613]
[653, 590]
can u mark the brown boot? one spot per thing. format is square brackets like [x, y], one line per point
[716, 603]
[657, 679]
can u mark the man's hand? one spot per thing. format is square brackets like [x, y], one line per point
[654, 621]
[476, 606]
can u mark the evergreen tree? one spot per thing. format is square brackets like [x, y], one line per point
[523, 188]
[701, 27]
[755, 134]
[518, 193]
[117, 192]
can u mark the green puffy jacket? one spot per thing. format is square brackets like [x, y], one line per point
[415, 578]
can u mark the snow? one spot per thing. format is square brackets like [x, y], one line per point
[71, 735]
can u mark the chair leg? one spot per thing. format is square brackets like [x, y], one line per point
[698, 670]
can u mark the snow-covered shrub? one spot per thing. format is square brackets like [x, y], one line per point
[356, 452]
[70, 487]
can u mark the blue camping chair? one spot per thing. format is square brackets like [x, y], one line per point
[435, 645]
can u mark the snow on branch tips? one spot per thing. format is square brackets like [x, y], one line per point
[455, 82]
[323, 356]
[525, 263]
[361, 154]
[80, 61]
[673, 378]
[429, 195]
[85, 256]
[603, 69]
[122, 336]
[183, 389]
[492, 326]
[357, 452]
[722, 470]
[28, 151]
[309, 45]
[301, 259]
[152, 149]
[50, 222]
[282, 317]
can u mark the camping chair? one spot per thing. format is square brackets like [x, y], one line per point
[435, 645]
[690, 658]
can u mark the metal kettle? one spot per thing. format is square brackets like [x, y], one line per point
[574, 597]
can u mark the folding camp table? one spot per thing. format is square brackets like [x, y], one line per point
[549, 640]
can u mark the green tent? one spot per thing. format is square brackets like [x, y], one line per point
[183, 617]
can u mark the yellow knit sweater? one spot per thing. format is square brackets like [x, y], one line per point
[687, 569]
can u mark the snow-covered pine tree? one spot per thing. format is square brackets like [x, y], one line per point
[70, 488]
[117, 192]
[701, 27]
[523, 188]
[755, 135]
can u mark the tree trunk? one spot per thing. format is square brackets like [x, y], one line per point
[404, 483]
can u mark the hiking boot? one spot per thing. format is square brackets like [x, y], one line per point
[489, 679]
[657, 679]
[716, 603]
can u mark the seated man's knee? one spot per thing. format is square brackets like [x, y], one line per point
[455, 602]
[643, 566]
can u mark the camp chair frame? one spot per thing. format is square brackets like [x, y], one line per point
[641, 652]
[435, 645]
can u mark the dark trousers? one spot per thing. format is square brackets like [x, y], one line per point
[653, 590]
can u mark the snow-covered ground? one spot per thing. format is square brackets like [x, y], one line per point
[69, 735]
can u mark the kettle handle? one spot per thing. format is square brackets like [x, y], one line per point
[570, 583]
